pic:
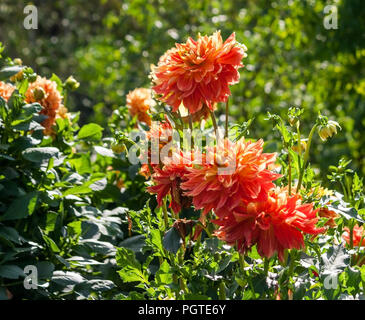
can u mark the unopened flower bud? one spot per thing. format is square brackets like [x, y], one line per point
[328, 130]
[293, 120]
[117, 148]
[18, 61]
[71, 83]
[32, 77]
[333, 126]
[39, 93]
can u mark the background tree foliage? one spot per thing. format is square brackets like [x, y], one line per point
[292, 58]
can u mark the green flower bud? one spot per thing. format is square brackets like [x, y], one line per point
[328, 130]
[18, 61]
[117, 148]
[71, 83]
[39, 93]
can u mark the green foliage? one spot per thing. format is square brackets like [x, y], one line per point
[60, 210]
[292, 59]
[73, 206]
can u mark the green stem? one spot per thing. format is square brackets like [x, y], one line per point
[299, 148]
[165, 216]
[242, 263]
[180, 118]
[266, 266]
[293, 256]
[214, 121]
[361, 240]
[289, 172]
[222, 291]
[306, 156]
[299, 140]
[227, 112]
[344, 191]
[191, 131]
[241, 260]
[352, 224]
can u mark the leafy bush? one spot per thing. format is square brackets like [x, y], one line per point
[61, 210]
[73, 206]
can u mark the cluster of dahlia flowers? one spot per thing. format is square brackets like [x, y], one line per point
[233, 180]
[250, 209]
[44, 92]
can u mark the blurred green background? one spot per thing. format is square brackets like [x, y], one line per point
[293, 60]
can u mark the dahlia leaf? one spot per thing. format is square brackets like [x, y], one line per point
[7, 72]
[91, 131]
[338, 205]
[21, 207]
[135, 243]
[334, 261]
[172, 241]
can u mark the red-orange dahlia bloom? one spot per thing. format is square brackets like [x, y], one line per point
[51, 100]
[168, 181]
[358, 236]
[139, 102]
[6, 90]
[198, 72]
[274, 225]
[250, 179]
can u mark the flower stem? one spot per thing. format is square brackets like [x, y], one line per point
[214, 121]
[266, 266]
[293, 256]
[344, 191]
[299, 148]
[241, 261]
[299, 140]
[352, 224]
[222, 291]
[306, 156]
[227, 112]
[165, 216]
[191, 130]
[289, 172]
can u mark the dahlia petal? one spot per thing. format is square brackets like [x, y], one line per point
[185, 83]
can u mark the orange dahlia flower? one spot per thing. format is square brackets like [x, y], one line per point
[45, 92]
[248, 178]
[198, 72]
[168, 181]
[6, 90]
[274, 225]
[358, 236]
[139, 102]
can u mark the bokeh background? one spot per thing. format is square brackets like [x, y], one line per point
[293, 60]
